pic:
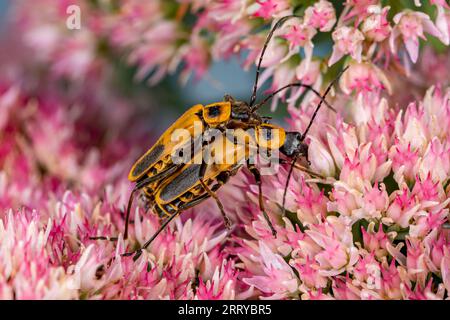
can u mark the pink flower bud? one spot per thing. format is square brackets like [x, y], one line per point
[402, 209]
[412, 25]
[347, 40]
[321, 159]
[415, 261]
[375, 242]
[427, 190]
[391, 281]
[404, 160]
[321, 16]
[343, 199]
[368, 272]
[299, 35]
[309, 274]
[376, 26]
[438, 248]
[364, 77]
[343, 290]
[436, 161]
[267, 9]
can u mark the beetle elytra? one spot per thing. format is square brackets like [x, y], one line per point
[172, 187]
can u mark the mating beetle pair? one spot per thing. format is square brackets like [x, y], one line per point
[171, 187]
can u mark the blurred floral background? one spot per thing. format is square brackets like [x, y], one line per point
[80, 102]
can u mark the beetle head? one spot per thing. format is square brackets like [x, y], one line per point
[241, 111]
[294, 145]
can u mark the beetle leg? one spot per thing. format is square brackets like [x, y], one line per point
[141, 184]
[186, 206]
[138, 252]
[257, 176]
[213, 195]
[127, 218]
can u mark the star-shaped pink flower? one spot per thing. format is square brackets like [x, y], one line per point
[267, 9]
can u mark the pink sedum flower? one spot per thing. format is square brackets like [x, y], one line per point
[411, 26]
[415, 261]
[321, 16]
[196, 58]
[268, 8]
[278, 280]
[25, 270]
[375, 242]
[309, 274]
[376, 26]
[300, 35]
[404, 161]
[442, 20]
[402, 208]
[337, 251]
[308, 72]
[222, 285]
[436, 161]
[347, 40]
[358, 9]
[321, 160]
[391, 281]
[364, 78]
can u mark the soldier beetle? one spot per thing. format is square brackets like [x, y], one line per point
[173, 186]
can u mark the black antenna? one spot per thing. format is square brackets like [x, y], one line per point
[321, 101]
[278, 24]
[127, 218]
[304, 135]
[297, 84]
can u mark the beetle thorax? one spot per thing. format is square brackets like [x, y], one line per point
[241, 111]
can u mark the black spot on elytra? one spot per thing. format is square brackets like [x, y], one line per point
[214, 111]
